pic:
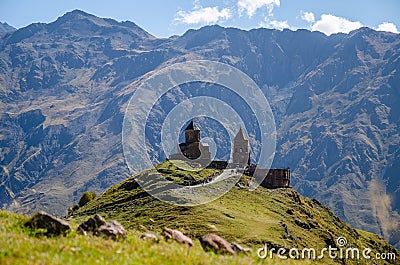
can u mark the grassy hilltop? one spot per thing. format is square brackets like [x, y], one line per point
[278, 218]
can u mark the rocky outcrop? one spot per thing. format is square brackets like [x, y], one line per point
[54, 226]
[91, 225]
[302, 224]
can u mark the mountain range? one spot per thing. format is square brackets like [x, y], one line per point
[64, 88]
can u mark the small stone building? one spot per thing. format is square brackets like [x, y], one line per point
[216, 164]
[277, 178]
[192, 148]
[273, 177]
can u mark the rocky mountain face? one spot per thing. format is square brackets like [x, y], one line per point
[64, 87]
[4, 27]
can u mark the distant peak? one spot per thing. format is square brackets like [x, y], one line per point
[73, 16]
[362, 30]
[78, 16]
[4, 27]
[77, 12]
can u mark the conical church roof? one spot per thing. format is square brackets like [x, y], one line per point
[241, 136]
[192, 126]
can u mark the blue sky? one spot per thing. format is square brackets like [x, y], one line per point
[172, 17]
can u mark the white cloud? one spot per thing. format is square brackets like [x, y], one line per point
[196, 4]
[330, 24]
[251, 6]
[387, 26]
[206, 15]
[308, 16]
[275, 24]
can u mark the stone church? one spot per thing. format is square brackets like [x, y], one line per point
[273, 177]
[193, 150]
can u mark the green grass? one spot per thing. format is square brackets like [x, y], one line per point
[180, 172]
[251, 219]
[19, 245]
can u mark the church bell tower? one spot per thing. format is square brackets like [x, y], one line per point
[241, 154]
[192, 133]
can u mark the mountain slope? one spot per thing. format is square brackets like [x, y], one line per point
[64, 89]
[278, 218]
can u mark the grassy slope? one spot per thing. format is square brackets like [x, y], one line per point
[184, 172]
[19, 245]
[249, 218]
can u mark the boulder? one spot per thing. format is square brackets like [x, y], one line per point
[177, 236]
[53, 225]
[91, 225]
[217, 244]
[150, 237]
[239, 249]
[112, 230]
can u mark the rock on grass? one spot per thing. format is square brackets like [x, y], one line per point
[54, 226]
[177, 236]
[217, 244]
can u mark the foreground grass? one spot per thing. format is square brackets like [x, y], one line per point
[19, 245]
